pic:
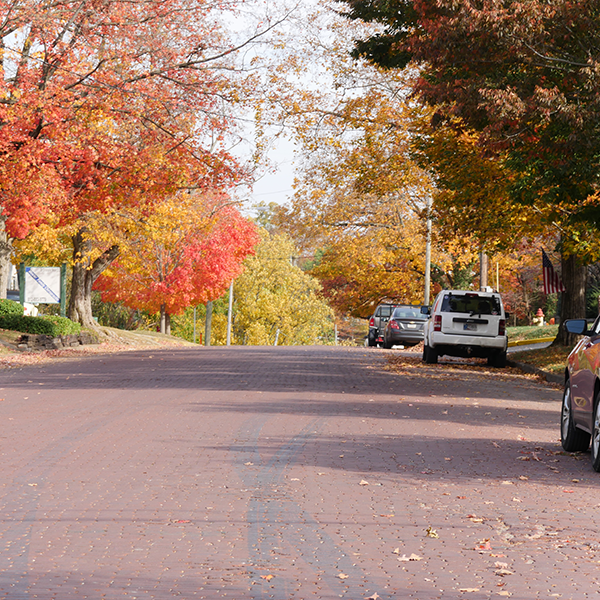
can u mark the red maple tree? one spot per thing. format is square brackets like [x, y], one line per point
[185, 253]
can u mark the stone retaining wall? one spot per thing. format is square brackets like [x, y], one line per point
[29, 341]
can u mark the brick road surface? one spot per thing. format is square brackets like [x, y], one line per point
[288, 473]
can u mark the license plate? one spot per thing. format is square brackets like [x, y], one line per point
[470, 327]
[411, 325]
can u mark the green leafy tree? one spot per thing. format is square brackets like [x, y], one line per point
[275, 302]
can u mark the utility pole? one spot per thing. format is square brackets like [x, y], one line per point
[483, 270]
[428, 254]
[194, 324]
[208, 323]
[230, 314]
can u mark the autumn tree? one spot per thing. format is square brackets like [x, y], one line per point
[522, 75]
[359, 198]
[185, 252]
[275, 302]
[106, 106]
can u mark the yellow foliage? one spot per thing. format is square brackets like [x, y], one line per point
[273, 295]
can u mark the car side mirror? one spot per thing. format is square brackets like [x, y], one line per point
[425, 310]
[577, 326]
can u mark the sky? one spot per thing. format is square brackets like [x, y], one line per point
[276, 186]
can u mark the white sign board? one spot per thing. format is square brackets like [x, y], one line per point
[42, 284]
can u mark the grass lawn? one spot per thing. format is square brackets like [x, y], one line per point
[532, 332]
[552, 359]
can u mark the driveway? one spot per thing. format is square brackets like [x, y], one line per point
[288, 472]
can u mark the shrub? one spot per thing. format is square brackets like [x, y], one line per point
[10, 307]
[51, 325]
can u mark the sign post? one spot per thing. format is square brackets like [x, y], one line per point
[63, 290]
[43, 285]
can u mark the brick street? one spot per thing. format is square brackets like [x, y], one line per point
[288, 473]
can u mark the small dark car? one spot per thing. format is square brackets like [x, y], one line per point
[378, 322]
[405, 327]
[580, 420]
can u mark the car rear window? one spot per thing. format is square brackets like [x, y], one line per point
[408, 312]
[385, 311]
[472, 304]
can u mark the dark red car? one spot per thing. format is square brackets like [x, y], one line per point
[580, 421]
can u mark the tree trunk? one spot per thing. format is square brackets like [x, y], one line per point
[85, 274]
[574, 277]
[163, 318]
[6, 249]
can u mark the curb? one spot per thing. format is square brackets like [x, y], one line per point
[549, 377]
[528, 342]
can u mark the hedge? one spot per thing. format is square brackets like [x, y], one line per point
[10, 307]
[49, 325]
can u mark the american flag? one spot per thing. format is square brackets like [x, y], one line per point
[552, 282]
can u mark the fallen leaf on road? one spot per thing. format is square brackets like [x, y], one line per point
[343, 576]
[468, 590]
[517, 500]
[501, 565]
[496, 445]
[183, 521]
[502, 572]
[432, 533]
[569, 491]
[504, 594]
[484, 545]
[363, 482]
[375, 596]
[267, 577]
[387, 516]
[523, 477]
[248, 464]
[412, 557]
[475, 519]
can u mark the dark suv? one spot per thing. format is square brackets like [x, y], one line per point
[378, 322]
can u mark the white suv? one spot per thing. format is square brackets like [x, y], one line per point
[467, 324]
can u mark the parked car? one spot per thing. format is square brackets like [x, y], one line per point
[378, 322]
[466, 324]
[580, 420]
[405, 327]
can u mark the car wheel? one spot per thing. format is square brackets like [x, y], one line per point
[387, 345]
[372, 340]
[571, 438]
[596, 435]
[430, 355]
[497, 359]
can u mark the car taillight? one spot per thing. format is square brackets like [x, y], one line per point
[394, 325]
[372, 322]
[501, 327]
[437, 323]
